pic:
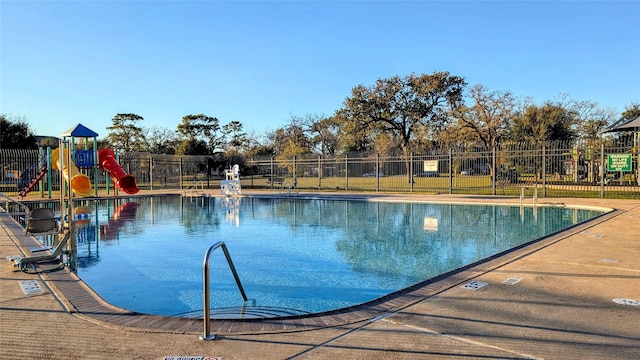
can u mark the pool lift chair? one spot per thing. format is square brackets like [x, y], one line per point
[41, 221]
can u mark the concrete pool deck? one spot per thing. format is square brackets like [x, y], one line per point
[574, 299]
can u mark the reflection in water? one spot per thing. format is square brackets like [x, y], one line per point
[124, 213]
[313, 255]
[232, 204]
[87, 246]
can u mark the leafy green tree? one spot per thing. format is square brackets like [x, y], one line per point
[352, 136]
[192, 147]
[563, 119]
[235, 137]
[124, 135]
[198, 129]
[261, 150]
[548, 122]
[291, 140]
[401, 106]
[15, 133]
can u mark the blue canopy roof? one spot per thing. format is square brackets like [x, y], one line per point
[80, 131]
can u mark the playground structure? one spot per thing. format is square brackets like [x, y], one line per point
[125, 182]
[231, 186]
[41, 221]
[80, 183]
[69, 161]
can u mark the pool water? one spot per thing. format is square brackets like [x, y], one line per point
[146, 254]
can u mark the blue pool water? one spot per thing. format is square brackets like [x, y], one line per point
[146, 254]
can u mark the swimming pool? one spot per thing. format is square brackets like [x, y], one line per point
[296, 255]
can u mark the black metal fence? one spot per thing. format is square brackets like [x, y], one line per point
[605, 169]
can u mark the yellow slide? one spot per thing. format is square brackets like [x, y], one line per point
[80, 183]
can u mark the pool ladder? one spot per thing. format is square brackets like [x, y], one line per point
[207, 293]
[535, 194]
[287, 187]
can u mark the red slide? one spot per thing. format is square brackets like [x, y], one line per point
[124, 181]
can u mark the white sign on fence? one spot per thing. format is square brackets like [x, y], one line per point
[431, 165]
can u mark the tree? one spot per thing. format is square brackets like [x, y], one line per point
[592, 120]
[631, 111]
[49, 141]
[258, 145]
[235, 137]
[489, 115]
[291, 140]
[323, 133]
[544, 123]
[124, 134]
[161, 140]
[15, 133]
[563, 119]
[197, 130]
[192, 147]
[401, 106]
[352, 137]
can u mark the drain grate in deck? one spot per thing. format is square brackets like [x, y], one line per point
[627, 302]
[609, 261]
[31, 287]
[475, 285]
[512, 280]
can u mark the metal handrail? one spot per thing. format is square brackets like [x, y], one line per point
[207, 298]
[23, 206]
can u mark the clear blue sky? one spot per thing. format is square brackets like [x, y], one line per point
[70, 62]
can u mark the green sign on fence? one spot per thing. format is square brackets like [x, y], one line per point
[619, 162]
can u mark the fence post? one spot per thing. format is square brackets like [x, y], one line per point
[38, 168]
[294, 181]
[494, 173]
[49, 185]
[115, 186]
[180, 177]
[271, 174]
[411, 170]
[95, 166]
[346, 172]
[151, 171]
[601, 170]
[544, 170]
[377, 172]
[319, 173]
[450, 171]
